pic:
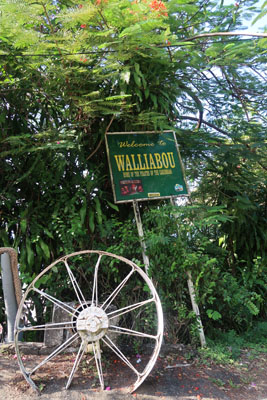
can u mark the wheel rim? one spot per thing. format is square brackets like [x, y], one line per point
[94, 316]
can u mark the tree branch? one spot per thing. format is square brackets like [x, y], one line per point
[101, 140]
[187, 117]
[263, 35]
[197, 101]
[257, 72]
[238, 92]
[53, 33]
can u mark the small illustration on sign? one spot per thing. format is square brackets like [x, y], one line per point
[178, 188]
[130, 187]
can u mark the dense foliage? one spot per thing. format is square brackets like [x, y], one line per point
[72, 70]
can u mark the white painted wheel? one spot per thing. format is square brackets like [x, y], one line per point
[108, 303]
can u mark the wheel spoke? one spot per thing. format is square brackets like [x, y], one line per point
[81, 314]
[66, 307]
[119, 353]
[126, 331]
[124, 310]
[95, 285]
[75, 285]
[56, 325]
[61, 348]
[76, 363]
[116, 291]
[97, 355]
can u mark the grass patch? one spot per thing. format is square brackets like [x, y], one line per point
[226, 347]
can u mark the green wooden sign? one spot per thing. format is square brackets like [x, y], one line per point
[145, 166]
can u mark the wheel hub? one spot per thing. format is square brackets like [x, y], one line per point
[92, 323]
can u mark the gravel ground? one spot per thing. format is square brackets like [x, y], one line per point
[173, 377]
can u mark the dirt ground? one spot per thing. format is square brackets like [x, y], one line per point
[173, 377]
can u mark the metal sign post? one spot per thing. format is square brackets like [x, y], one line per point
[141, 234]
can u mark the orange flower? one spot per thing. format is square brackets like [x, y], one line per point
[157, 5]
[83, 26]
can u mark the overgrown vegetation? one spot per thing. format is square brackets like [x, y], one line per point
[72, 70]
[227, 347]
[182, 239]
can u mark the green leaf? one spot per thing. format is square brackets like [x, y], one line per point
[215, 315]
[98, 211]
[42, 281]
[261, 15]
[83, 212]
[139, 94]
[221, 240]
[137, 68]
[91, 220]
[49, 234]
[45, 248]
[114, 206]
[23, 225]
[30, 253]
[154, 99]
[137, 79]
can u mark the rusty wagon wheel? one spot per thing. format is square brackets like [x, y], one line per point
[107, 304]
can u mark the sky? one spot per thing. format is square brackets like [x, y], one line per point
[259, 26]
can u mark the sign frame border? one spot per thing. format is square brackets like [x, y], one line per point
[146, 198]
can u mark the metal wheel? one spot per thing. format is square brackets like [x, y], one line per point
[107, 304]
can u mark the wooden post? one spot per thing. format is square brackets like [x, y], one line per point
[195, 308]
[193, 301]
